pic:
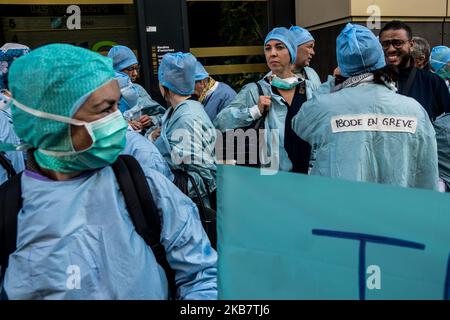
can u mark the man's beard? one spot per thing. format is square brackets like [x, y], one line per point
[404, 63]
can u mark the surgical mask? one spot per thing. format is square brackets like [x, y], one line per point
[444, 73]
[284, 84]
[108, 136]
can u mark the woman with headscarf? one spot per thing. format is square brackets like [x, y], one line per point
[284, 95]
[76, 238]
[364, 130]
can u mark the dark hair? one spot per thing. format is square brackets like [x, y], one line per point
[397, 25]
[338, 79]
[389, 73]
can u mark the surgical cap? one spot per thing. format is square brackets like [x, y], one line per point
[177, 72]
[439, 58]
[53, 79]
[8, 53]
[301, 35]
[287, 37]
[358, 51]
[122, 57]
[200, 72]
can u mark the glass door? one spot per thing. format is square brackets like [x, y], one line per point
[227, 37]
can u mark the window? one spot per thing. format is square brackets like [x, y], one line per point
[227, 37]
[102, 25]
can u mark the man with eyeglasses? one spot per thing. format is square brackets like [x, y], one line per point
[137, 106]
[427, 88]
[133, 71]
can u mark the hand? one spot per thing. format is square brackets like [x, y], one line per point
[155, 134]
[146, 121]
[135, 125]
[264, 103]
[336, 72]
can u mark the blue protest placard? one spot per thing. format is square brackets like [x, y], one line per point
[290, 236]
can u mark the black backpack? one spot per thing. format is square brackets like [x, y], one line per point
[247, 153]
[138, 199]
[6, 164]
[208, 215]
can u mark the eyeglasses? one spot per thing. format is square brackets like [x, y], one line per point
[397, 44]
[133, 68]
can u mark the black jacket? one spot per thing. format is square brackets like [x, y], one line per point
[428, 89]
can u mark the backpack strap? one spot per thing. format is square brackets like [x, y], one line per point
[260, 90]
[7, 165]
[138, 199]
[10, 205]
[259, 124]
[412, 76]
[142, 210]
[182, 179]
[207, 215]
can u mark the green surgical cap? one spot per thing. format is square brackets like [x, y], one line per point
[53, 79]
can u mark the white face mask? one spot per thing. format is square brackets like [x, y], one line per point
[284, 84]
[108, 136]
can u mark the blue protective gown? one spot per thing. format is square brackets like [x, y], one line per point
[218, 99]
[145, 106]
[146, 153]
[442, 126]
[238, 115]
[76, 241]
[400, 158]
[187, 142]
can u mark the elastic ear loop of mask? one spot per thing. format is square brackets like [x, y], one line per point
[45, 115]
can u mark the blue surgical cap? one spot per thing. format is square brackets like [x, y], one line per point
[287, 37]
[200, 72]
[53, 79]
[177, 72]
[358, 51]
[301, 35]
[439, 58]
[122, 57]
